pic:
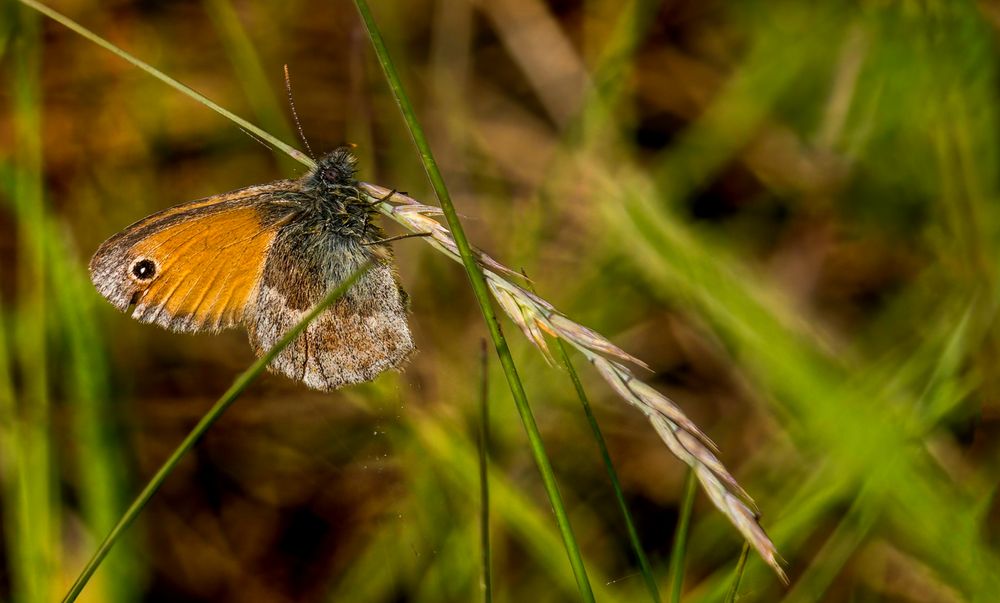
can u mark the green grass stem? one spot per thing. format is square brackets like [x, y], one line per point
[679, 551]
[239, 385]
[525, 522]
[741, 565]
[633, 534]
[481, 292]
[484, 479]
[11, 463]
[35, 547]
[99, 449]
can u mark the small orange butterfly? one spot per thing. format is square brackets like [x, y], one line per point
[262, 257]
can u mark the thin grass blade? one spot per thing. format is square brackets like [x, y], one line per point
[741, 565]
[484, 479]
[37, 560]
[96, 39]
[479, 287]
[633, 534]
[239, 385]
[679, 551]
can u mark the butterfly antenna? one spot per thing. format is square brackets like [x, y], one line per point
[295, 114]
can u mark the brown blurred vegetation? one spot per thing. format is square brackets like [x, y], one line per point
[804, 147]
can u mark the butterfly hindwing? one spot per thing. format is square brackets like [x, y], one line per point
[362, 334]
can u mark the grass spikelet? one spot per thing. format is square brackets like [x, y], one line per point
[533, 314]
[524, 317]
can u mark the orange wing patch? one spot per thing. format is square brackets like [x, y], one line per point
[207, 270]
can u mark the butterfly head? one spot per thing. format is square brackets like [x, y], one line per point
[334, 170]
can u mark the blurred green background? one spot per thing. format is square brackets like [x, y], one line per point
[788, 209]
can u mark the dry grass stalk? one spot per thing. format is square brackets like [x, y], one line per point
[535, 317]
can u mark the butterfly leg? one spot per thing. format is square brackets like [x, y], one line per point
[390, 194]
[397, 238]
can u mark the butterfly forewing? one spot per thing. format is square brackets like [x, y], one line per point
[195, 266]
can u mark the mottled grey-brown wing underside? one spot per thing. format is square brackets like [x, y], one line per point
[361, 335]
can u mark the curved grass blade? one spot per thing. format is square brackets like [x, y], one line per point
[479, 288]
[96, 39]
[239, 385]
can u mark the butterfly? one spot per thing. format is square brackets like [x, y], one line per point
[262, 257]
